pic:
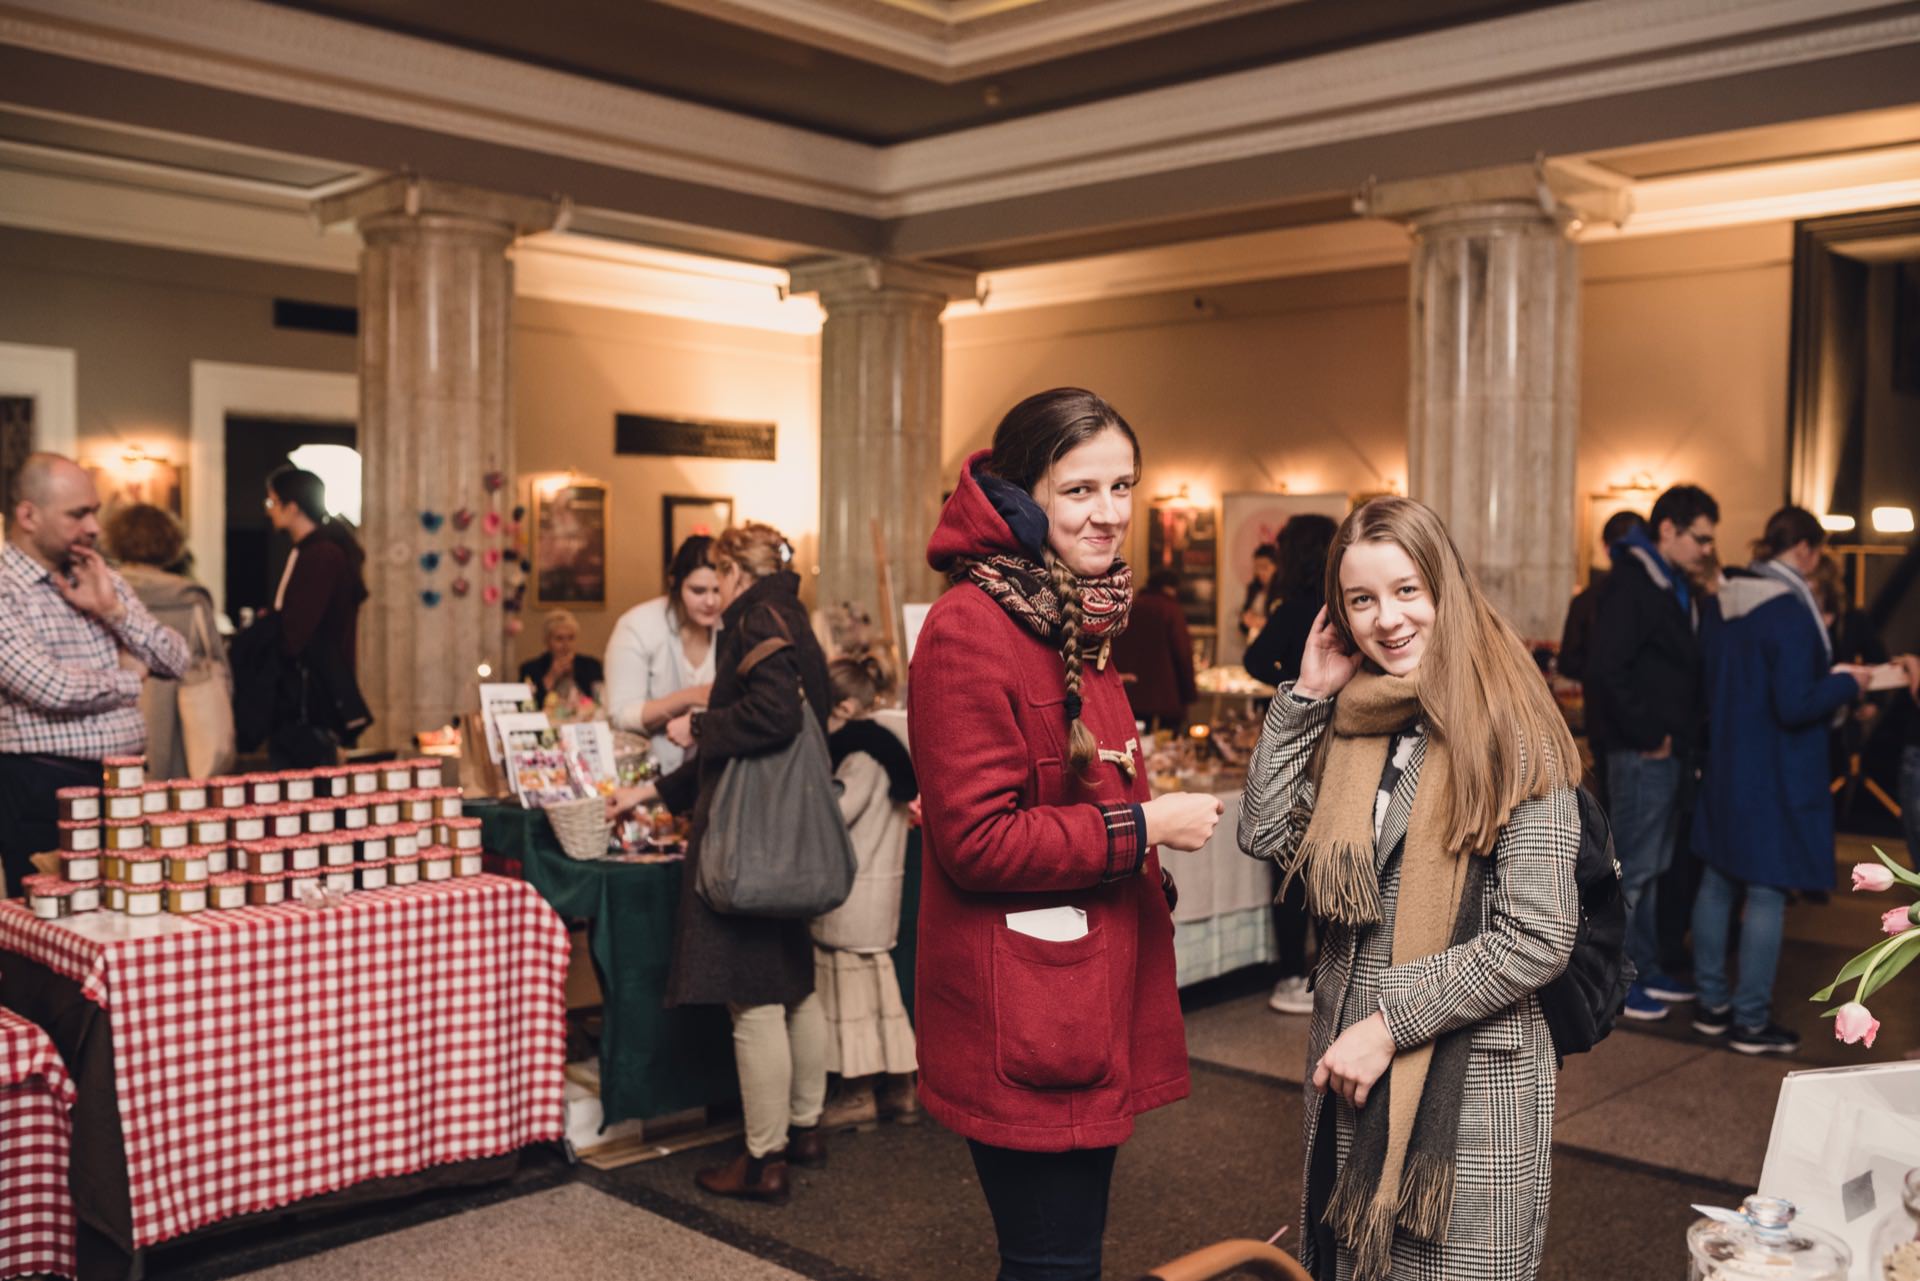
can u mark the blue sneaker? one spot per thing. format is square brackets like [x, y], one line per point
[1664, 987]
[1643, 1007]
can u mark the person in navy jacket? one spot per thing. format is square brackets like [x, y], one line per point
[1040, 1048]
[1763, 824]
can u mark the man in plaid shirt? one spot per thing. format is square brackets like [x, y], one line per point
[75, 645]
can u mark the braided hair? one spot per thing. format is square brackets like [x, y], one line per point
[1035, 434]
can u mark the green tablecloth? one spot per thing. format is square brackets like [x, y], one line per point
[653, 1060]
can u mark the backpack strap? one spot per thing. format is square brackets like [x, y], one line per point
[767, 648]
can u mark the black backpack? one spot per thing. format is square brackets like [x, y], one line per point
[1581, 1005]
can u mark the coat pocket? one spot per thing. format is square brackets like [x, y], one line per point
[1052, 1010]
[1502, 1033]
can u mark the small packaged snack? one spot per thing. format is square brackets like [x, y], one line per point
[374, 845]
[403, 869]
[155, 797]
[417, 806]
[372, 876]
[143, 900]
[385, 807]
[303, 853]
[121, 802]
[427, 772]
[330, 783]
[168, 830]
[219, 859]
[436, 863]
[337, 853]
[338, 880]
[355, 813]
[187, 899]
[143, 867]
[80, 867]
[302, 886]
[80, 836]
[263, 858]
[263, 789]
[405, 840]
[447, 802]
[296, 786]
[208, 827]
[116, 895]
[126, 834]
[124, 772]
[396, 776]
[87, 896]
[48, 897]
[248, 823]
[321, 817]
[227, 891]
[285, 819]
[363, 780]
[266, 889]
[188, 865]
[227, 792]
[79, 804]
[188, 796]
[461, 833]
[467, 862]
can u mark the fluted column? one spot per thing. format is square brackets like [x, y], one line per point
[880, 372]
[436, 321]
[1493, 397]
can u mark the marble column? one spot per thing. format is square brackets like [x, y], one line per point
[1493, 390]
[880, 459]
[436, 322]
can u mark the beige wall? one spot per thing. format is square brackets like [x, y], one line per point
[137, 318]
[1302, 382]
[576, 367]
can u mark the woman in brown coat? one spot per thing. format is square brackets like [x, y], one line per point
[760, 968]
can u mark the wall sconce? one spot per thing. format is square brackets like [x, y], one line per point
[552, 485]
[1893, 520]
[1835, 524]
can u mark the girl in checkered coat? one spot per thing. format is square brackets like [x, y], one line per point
[1419, 777]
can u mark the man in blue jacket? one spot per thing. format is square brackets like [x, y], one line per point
[1764, 821]
[1644, 713]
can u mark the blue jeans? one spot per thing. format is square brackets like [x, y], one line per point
[1049, 1209]
[1910, 800]
[1644, 796]
[1760, 928]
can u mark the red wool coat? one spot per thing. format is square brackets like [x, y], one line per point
[1025, 1043]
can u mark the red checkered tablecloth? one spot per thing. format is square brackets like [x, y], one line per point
[269, 1054]
[36, 1103]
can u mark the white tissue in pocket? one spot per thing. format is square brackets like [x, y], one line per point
[1054, 924]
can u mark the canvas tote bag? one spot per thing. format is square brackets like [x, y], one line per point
[204, 700]
[775, 843]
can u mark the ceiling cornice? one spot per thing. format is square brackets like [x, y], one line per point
[1571, 53]
[931, 40]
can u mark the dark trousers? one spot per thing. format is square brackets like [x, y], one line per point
[1049, 1209]
[1290, 926]
[29, 813]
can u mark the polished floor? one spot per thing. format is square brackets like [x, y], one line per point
[1653, 1121]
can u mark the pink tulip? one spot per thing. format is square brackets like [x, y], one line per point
[1873, 877]
[1897, 920]
[1855, 1022]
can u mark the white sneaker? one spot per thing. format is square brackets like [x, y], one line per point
[1290, 996]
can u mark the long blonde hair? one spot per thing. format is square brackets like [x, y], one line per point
[1480, 692]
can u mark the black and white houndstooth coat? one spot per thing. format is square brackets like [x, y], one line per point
[1529, 913]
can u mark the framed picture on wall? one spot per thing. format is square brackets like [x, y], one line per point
[570, 545]
[684, 515]
[1184, 539]
[1249, 522]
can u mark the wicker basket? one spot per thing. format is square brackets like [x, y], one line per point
[582, 827]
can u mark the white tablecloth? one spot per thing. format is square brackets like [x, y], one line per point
[1222, 921]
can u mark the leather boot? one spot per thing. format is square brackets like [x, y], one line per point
[749, 1177]
[851, 1107]
[899, 1099]
[807, 1145]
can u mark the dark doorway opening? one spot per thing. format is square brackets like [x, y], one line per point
[256, 552]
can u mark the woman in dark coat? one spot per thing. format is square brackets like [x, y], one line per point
[1040, 1045]
[1764, 820]
[760, 968]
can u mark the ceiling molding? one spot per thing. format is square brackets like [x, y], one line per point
[1600, 48]
[930, 39]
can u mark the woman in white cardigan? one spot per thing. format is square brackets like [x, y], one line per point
[660, 656]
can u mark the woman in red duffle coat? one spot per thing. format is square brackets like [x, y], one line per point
[1040, 1039]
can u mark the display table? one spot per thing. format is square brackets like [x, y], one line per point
[270, 1054]
[36, 1106]
[1222, 921]
[653, 1060]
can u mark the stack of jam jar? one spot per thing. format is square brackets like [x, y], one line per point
[192, 845]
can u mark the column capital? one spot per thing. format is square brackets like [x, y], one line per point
[847, 280]
[1567, 193]
[409, 196]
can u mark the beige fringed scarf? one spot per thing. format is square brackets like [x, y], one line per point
[1399, 1168]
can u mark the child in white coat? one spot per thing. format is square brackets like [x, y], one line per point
[870, 1040]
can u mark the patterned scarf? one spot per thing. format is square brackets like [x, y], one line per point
[1400, 1168]
[1024, 588]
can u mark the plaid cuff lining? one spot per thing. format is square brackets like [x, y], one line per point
[1126, 841]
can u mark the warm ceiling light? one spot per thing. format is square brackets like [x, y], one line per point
[1837, 524]
[1893, 520]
